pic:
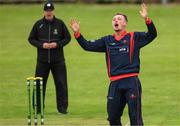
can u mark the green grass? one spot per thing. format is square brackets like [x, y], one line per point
[87, 76]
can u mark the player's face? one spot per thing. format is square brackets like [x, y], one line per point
[119, 22]
[49, 14]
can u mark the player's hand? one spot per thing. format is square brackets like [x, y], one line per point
[144, 11]
[74, 24]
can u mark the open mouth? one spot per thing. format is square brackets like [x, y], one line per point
[116, 25]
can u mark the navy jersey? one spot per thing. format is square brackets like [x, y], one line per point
[122, 56]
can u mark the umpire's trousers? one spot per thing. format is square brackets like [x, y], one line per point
[58, 70]
[127, 90]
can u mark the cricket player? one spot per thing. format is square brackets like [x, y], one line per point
[122, 51]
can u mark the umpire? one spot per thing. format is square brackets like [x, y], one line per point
[49, 35]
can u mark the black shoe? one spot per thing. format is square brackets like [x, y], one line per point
[63, 111]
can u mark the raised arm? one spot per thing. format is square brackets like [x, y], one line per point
[143, 38]
[93, 45]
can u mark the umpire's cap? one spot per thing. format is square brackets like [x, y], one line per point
[48, 6]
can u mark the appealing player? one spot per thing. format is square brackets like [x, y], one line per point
[122, 51]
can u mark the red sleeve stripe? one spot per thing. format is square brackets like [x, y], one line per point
[148, 21]
[77, 35]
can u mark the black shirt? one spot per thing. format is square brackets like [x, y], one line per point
[49, 31]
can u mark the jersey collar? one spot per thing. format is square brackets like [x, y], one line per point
[118, 38]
